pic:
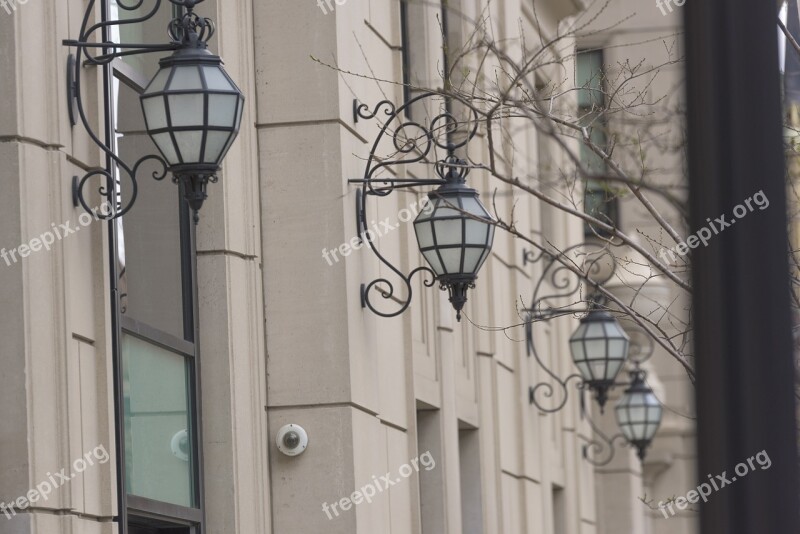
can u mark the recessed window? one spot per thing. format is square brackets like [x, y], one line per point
[600, 196]
[559, 511]
[424, 28]
[469, 459]
[431, 483]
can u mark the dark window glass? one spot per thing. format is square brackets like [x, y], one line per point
[150, 236]
[600, 197]
[158, 435]
[152, 526]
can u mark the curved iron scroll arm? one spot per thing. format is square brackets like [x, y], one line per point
[599, 443]
[549, 391]
[388, 293]
[596, 447]
[413, 142]
[566, 275]
[117, 169]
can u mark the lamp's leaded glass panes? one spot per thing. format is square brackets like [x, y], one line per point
[157, 394]
[152, 31]
[451, 240]
[639, 415]
[599, 348]
[203, 124]
[150, 252]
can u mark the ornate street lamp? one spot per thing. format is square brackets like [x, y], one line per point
[455, 234]
[192, 108]
[599, 348]
[639, 413]
[454, 230]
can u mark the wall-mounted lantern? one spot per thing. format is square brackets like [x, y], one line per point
[455, 234]
[454, 230]
[192, 108]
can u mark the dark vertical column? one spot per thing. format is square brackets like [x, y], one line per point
[743, 343]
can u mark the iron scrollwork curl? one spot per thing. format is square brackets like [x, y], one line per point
[413, 142]
[96, 36]
[600, 449]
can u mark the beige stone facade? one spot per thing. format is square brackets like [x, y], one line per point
[283, 338]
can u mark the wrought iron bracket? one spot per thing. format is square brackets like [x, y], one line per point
[412, 142]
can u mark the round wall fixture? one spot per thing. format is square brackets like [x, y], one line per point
[292, 440]
[180, 445]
